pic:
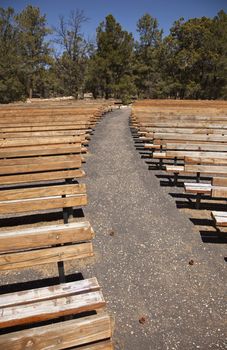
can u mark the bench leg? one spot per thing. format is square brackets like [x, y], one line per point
[61, 271]
[198, 177]
[175, 179]
[198, 200]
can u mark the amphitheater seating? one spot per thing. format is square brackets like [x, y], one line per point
[40, 154]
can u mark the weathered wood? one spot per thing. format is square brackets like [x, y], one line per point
[50, 292]
[41, 166]
[12, 261]
[16, 142]
[219, 181]
[45, 191]
[50, 309]
[46, 176]
[189, 137]
[38, 160]
[220, 218]
[12, 152]
[220, 192]
[73, 333]
[206, 169]
[206, 160]
[35, 237]
[197, 188]
[40, 204]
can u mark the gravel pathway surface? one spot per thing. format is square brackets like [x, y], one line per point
[143, 247]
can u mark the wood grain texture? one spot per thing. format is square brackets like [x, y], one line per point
[39, 204]
[50, 292]
[31, 258]
[44, 177]
[40, 166]
[44, 236]
[50, 309]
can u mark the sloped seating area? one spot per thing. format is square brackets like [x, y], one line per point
[42, 148]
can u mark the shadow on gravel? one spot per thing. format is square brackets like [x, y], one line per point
[37, 218]
[213, 237]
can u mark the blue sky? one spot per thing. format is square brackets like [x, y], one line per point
[125, 11]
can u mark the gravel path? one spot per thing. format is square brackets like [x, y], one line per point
[143, 247]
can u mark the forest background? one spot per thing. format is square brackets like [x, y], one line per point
[38, 61]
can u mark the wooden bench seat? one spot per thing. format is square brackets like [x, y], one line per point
[42, 198]
[36, 306]
[220, 218]
[193, 187]
[22, 170]
[20, 248]
[42, 150]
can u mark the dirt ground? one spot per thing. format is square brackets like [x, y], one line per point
[144, 244]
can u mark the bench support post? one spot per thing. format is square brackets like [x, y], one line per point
[175, 179]
[61, 271]
[198, 200]
[198, 177]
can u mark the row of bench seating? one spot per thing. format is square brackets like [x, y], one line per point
[187, 139]
[41, 158]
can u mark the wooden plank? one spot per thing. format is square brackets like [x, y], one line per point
[50, 309]
[41, 204]
[206, 169]
[42, 236]
[192, 153]
[197, 188]
[41, 166]
[16, 142]
[41, 133]
[196, 147]
[50, 292]
[197, 137]
[220, 218]
[12, 261]
[38, 160]
[174, 168]
[45, 191]
[219, 181]
[52, 127]
[46, 176]
[206, 160]
[40, 150]
[219, 192]
[73, 333]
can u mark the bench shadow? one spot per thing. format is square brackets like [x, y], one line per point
[39, 217]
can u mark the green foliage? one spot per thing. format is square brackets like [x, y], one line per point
[147, 56]
[189, 63]
[110, 72]
[34, 50]
[10, 86]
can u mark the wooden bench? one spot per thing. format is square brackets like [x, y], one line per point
[35, 169]
[38, 312]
